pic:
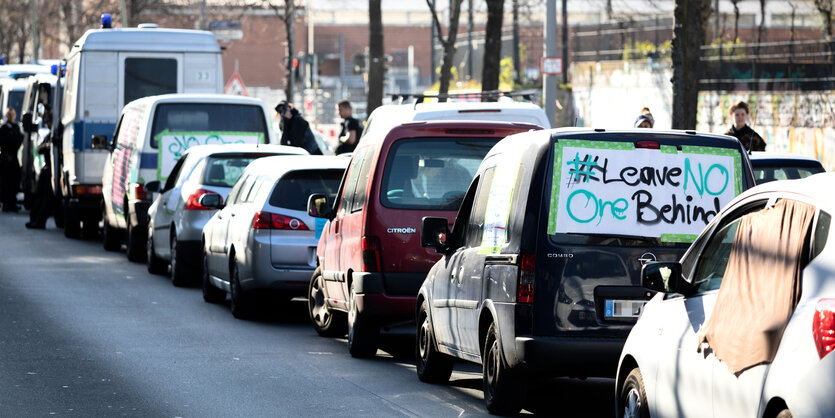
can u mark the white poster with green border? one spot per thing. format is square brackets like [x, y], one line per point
[172, 145]
[615, 188]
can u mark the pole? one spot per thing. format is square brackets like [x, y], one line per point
[432, 46]
[470, 41]
[517, 73]
[35, 42]
[549, 85]
[564, 42]
[125, 16]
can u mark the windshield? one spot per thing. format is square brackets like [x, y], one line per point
[16, 101]
[431, 173]
[613, 193]
[209, 123]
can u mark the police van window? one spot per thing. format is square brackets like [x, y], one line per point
[476, 225]
[208, 117]
[149, 77]
[358, 202]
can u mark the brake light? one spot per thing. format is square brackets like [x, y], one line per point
[267, 220]
[648, 144]
[823, 326]
[371, 261]
[78, 190]
[527, 268]
[139, 192]
[193, 201]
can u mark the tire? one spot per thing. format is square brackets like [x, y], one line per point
[363, 332]
[72, 222]
[241, 303]
[211, 294]
[135, 248]
[156, 265]
[111, 237]
[633, 397]
[326, 322]
[181, 276]
[504, 388]
[432, 366]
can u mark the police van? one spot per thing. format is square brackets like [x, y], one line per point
[105, 69]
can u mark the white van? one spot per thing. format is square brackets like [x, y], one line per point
[105, 69]
[152, 134]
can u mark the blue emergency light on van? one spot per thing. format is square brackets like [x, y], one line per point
[106, 21]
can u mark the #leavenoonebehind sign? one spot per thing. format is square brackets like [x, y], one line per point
[172, 145]
[616, 189]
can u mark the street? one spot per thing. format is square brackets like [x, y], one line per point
[84, 332]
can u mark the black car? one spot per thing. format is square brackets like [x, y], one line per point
[769, 166]
[540, 274]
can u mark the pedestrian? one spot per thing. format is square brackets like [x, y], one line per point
[351, 128]
[643, 121]
[295, 130]
[43, 206]
[750, 140]
[11, 138]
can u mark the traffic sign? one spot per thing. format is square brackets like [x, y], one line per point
[235, 85]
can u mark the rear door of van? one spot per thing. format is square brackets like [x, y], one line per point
[612, 202]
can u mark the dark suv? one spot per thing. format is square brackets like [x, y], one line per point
[370, 262]
[541, 271]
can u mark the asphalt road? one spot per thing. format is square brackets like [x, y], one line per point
[84, 332]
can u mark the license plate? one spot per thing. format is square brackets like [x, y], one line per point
[623, 308]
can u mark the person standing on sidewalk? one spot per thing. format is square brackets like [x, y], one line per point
[351, 128]
[750, 140]
[11, 138]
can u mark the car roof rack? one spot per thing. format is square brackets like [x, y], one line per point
[529, 95]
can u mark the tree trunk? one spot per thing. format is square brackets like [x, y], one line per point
[736, 25]
[289, 19]
[688, 37]
[492, 50]
[375, 56]
[449, 49]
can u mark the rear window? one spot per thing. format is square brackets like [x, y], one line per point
[767, 174]
[190, 124]
[224, 170]
[149, 77]
[292, 190]
[612, 193]
[431, 173]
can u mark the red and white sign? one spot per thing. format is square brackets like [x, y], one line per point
[551, 65]
[235, 85]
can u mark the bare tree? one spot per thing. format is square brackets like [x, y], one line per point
[761, 28]
[688, 38]
[825, 9]
[492, 49]
[376, 57]
[286, 12]
[448, 43]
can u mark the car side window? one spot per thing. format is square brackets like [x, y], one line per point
[236, 190]
[358, 202]
[251, 193]
[475, 229]
[351, 183]
[821, 234]
[711, 269]
[175, 173]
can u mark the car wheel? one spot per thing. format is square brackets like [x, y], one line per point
[363, 332]
[327, 323]
[432, 366]
[504, 389]
[156, 265]
[211, 294]
[111, 238]
[633, 396]
[241, 303]
[180, 274]
[135, 247]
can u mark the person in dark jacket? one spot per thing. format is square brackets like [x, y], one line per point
[751, 140]
[351, 128]
[295, 131]
[11, 138]
[43, 206]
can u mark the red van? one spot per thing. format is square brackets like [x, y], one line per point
[370, 261]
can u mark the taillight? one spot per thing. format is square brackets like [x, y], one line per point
[527, 268]
[139, 192]
[88, 190]
[647, 144]
[193, 201]
[823, 326]
[371, 254]
[267, 220]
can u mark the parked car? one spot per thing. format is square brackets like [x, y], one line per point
[262, 240]
[540, 273]
[176, 218]
[152, 134]
[743, 325]
[370, 263]
[770, 166]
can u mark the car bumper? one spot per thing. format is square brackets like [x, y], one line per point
[389, 297]
[568, 356]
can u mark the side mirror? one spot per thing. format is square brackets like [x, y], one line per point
[99, 142]
[152, 186]
[318, 207]
[434, 233]
[664, 277]
[26, 121]
[211, 200]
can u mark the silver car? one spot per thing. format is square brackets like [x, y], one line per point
[176, 218]
[263, 238]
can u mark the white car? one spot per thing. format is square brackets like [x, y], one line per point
[743, 326]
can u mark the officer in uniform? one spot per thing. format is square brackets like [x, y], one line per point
[11, 138]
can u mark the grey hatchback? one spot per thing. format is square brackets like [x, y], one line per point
[541, 272]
